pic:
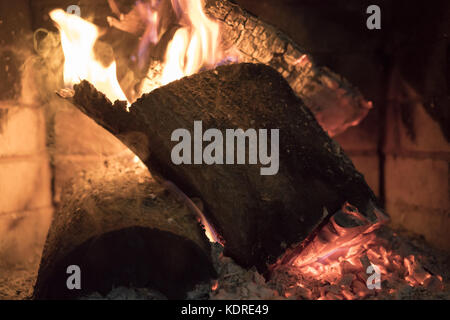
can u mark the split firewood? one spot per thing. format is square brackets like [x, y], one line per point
[121, 228]
[258, 209]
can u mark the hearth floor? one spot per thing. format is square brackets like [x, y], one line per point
[234, 282]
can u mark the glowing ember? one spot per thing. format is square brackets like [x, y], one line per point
[78, 38]
[215, 285]
[341, 263]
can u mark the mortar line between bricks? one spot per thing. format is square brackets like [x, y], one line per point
[423, 155]
[12, 104]
[361, 153]
[436, 212]
[24, 213]
[43, 155]
[88, 157]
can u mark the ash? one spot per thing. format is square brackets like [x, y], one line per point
[124, 293]
[233, 283]
[237, 283]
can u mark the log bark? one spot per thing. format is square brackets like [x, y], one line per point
[122, 229]
[257, 216]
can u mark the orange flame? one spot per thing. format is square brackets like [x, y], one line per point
[78, 38]
[195, 45]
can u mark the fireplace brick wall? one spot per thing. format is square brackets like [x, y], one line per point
[25, 184]
[80, 144]
[417, 172]
[25, 175]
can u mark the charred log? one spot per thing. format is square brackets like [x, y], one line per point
[122, 229]
[258, 216]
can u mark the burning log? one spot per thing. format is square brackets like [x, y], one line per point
[335, 103]
[257, 216]
[122, 229]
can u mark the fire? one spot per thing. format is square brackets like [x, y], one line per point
[78, 38]
[194, 45]
[336, 264]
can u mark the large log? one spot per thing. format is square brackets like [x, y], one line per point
[121, 228]
[257, 216]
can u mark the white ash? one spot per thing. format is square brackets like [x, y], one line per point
[126, 293]
[233, 282]
[237, 283]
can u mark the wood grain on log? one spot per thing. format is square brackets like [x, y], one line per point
[122, 229]
[257, 216]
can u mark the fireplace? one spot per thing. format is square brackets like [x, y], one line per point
[96, 95]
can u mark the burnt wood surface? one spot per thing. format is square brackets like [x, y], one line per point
[122, 229]
[257, 216]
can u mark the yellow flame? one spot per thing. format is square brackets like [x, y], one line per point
[194, 45]
[78, 38]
